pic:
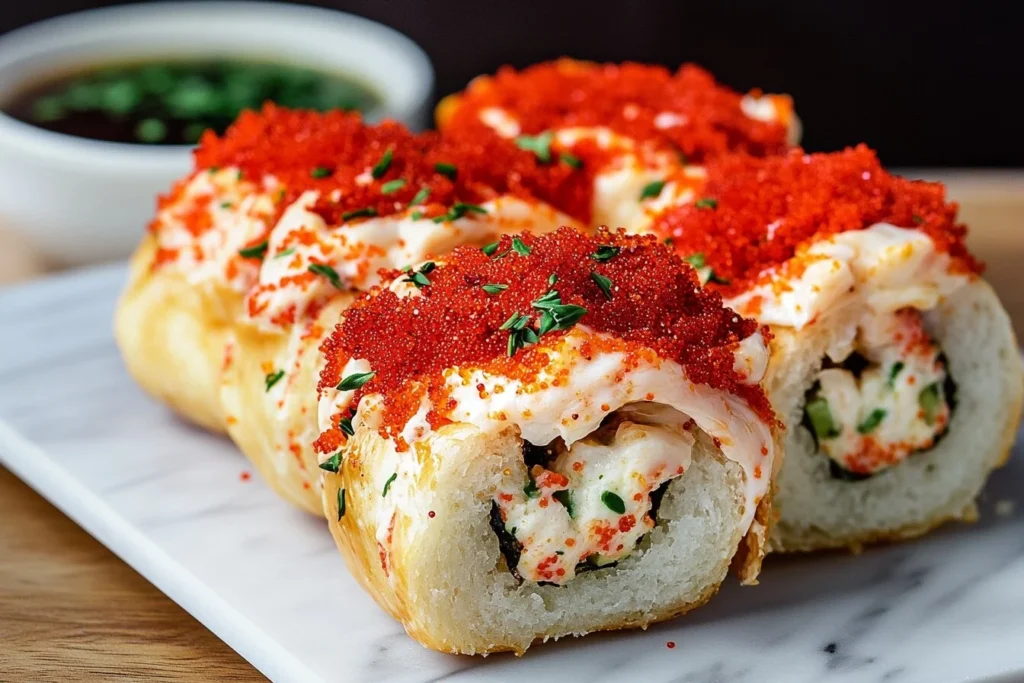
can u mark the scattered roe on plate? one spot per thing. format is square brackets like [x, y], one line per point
[687, 109]
[357, 167]
[754, 214]
[655, 306]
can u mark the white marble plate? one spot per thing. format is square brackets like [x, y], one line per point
[172, 502]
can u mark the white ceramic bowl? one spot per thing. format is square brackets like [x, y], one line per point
[80, 201]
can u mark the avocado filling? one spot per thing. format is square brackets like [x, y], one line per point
[890, 397]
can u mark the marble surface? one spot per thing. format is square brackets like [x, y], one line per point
[173, 502]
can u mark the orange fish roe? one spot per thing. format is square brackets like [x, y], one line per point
[628, 98]
[331, 153]
[656, 309]
[756, 213]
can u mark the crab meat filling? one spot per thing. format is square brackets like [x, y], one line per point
[588, 506]
[890, 397]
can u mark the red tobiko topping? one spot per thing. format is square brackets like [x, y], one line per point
[797, 198]
[643, 296]
[332, 153]
[628, 98]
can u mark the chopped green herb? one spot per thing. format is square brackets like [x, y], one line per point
[917, 219]
[332, 464]
[446, 169]
[287, 252]
[320, 172]
[458, 210]
[669, 241]
[489, 249]
[531, 489]
[930, 400]
[520, 247]
[345, 425]
[820, 416]
[392, 186]
[605, 253]
[556, 315]
[652, 189]
[696, 260]
[494, 289]
[420, 196]
[330, 273]
[240, 174]
[613, 502]
[540, 145]
[341, 504]
[516, 321]
[273, 378]
[894, 372]
[255, 251]
[416, 215]
[387, 484]
[355, 381]
[552, 279]
[382, 166]
[368, 212]
[872, 421]
[226, 205]
[603, 283]
[570, 160]
[419, 278]
[565, 498]
[706, 203]
[713, 277]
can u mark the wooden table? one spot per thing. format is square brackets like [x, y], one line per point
[71, 610]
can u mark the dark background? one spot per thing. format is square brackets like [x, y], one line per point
[926, 83]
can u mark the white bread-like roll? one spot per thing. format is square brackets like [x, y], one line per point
[817, 510]
[893, 366]
[489, 497]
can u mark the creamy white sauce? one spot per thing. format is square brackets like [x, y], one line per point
[883, 267]
[356, 251]
[238, 211]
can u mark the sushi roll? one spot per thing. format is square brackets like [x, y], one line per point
[559, 435]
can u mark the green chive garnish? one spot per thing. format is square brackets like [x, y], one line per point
[930, 400]
[540, 145]
[603, 283]
[255, 251]
[531, 490]
[706, 203]
[382, 166]
[226, 205]
[392, 186]
[696, 260]
[552, 279]
[613, 502]
[420, 196]
[489, 249]
[355, 381]
[605, 253]
[416, 215]
[387, 484]
[820, 416]
[917, 219]
[872, 421]
[565, 498]
[516, 321]
[341, 504]
[368, 212]
[520, 247]
[494, 289]
[273, 378]
[287, 252]
[570, 160]
[419, 278]
[332, 464]
[458, 210]
[345, 425]
[320, 172]
[894, 372]
[446, 169]
[652, 189]
[330, 273]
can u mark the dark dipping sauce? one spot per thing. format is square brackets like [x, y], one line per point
[172, 102]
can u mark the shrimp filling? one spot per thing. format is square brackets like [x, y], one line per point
[890, 397]
[588, 506]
